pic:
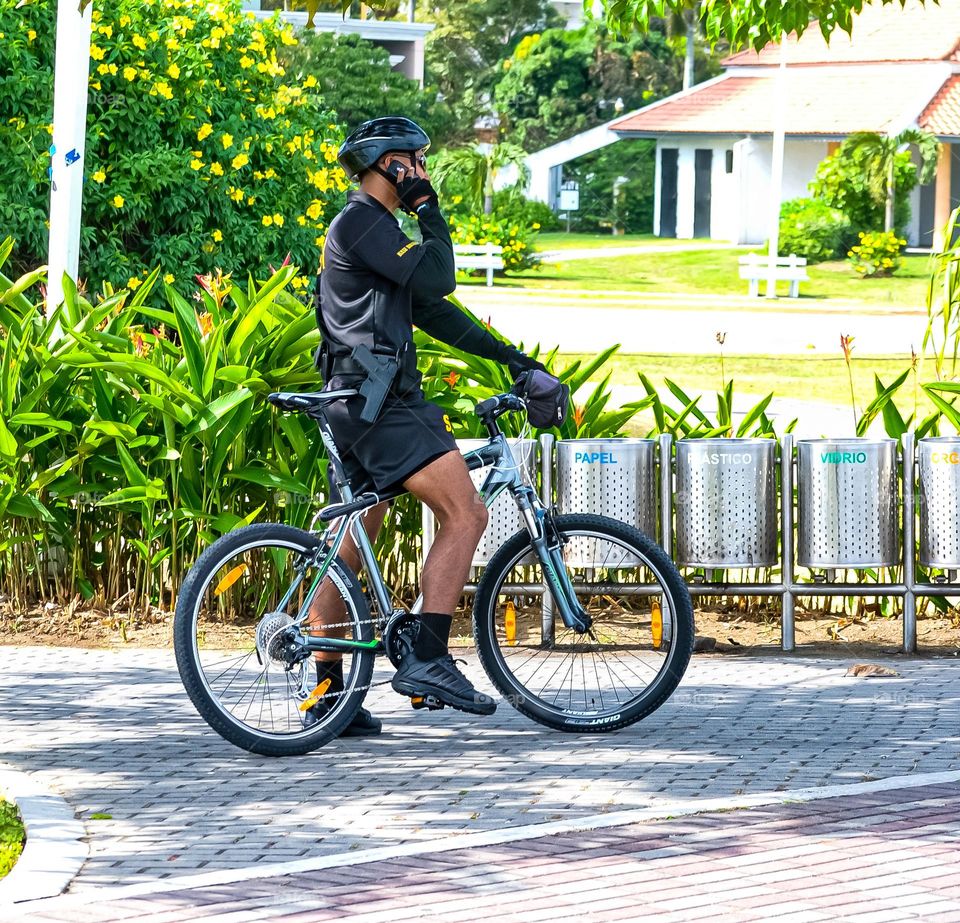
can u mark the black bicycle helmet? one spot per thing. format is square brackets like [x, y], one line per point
[366, 144]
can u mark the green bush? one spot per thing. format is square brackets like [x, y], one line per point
[877, 254]
[11, 836]
[512, 208]
[840, 183]
[518, 241]
[199, 155]
[811, 229]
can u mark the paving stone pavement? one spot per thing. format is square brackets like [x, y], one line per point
[114, 733]
[885, 856]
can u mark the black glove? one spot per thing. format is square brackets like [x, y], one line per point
[412, 188]
[517, 363]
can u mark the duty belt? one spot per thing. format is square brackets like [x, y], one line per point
[381, 372]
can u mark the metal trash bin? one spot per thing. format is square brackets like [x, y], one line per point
[505, 518]
[939, 458]
[847, 503]
[726, 502]
[608, 477]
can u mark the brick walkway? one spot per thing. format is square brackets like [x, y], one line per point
[114, 733]
[889, 856]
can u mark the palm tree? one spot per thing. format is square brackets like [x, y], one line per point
[876, 155]
[475, 169]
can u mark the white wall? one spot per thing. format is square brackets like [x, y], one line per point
[753, 171]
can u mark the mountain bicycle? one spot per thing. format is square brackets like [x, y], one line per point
[581, 622]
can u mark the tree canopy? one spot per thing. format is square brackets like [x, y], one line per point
[743, 23]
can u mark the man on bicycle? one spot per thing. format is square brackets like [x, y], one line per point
[375, 284]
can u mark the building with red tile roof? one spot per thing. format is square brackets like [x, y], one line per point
[899, 67]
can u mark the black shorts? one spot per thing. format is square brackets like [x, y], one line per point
[409, 433]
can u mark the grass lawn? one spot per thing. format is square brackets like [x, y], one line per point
[715, 272]
[11, 836]
[560, 240]
[798, 377]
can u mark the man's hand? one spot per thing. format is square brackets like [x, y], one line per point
[518, 363]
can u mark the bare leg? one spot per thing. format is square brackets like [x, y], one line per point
[327, 607]
[445, 487]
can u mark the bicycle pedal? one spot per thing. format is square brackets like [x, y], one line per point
[426, 701]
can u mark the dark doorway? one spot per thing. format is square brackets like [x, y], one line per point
[702, 165]
[926, 215]
[668, 191]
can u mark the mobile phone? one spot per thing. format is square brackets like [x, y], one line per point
[395, 169]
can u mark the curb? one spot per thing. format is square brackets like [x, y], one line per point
[56, 847]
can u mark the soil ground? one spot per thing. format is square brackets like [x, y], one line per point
[735, 632]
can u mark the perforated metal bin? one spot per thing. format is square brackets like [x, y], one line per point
[609, 477]
[939, 462]
[847, 503]
[726, 502]
[504, 516]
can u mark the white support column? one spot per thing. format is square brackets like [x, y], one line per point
[776, 178]
[71, 79]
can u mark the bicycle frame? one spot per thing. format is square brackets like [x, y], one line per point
[505, 475]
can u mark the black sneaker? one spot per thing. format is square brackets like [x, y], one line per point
[440, 677]
[363, 724]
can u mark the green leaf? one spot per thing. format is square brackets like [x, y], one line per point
[189, 338]
[219, 408]
[754, 414]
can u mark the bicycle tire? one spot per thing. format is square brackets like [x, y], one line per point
[518, 548]
[186, 646]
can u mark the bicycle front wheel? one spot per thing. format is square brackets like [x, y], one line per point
[629, 661]
[235, 616]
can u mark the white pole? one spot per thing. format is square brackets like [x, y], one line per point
[70, 85]
[776, 176]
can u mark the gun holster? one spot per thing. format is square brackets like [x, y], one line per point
[381, 372]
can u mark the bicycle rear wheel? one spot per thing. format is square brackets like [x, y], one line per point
[231, 632]
[630, 660]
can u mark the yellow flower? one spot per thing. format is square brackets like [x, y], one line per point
[163, 88]
[278, 220]
[217, 235]
[216, 169]
[103, 69]
[168, 278]
[315, 209]
[236, 195]
[206, 323]
[301, 220]
[133, 283]
[118, 201]
[174, 70]
[97, 53]
[310, 82]
[246, 62]
[31, 35]
[99, 176]
[196, 164]
[124, 21]
[140, 42]
[130, 73]
[251, 199]
[267, 221]
[205, 131]
[241, 160]
[226, 140]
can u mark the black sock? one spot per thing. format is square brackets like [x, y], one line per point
[332, 670]
[433, 635]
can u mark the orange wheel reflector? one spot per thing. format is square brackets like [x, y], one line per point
[510, 622]
[656, 623]
[315, 696]
[230, 579]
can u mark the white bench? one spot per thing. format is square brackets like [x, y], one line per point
[479, 256]
[792, 269]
